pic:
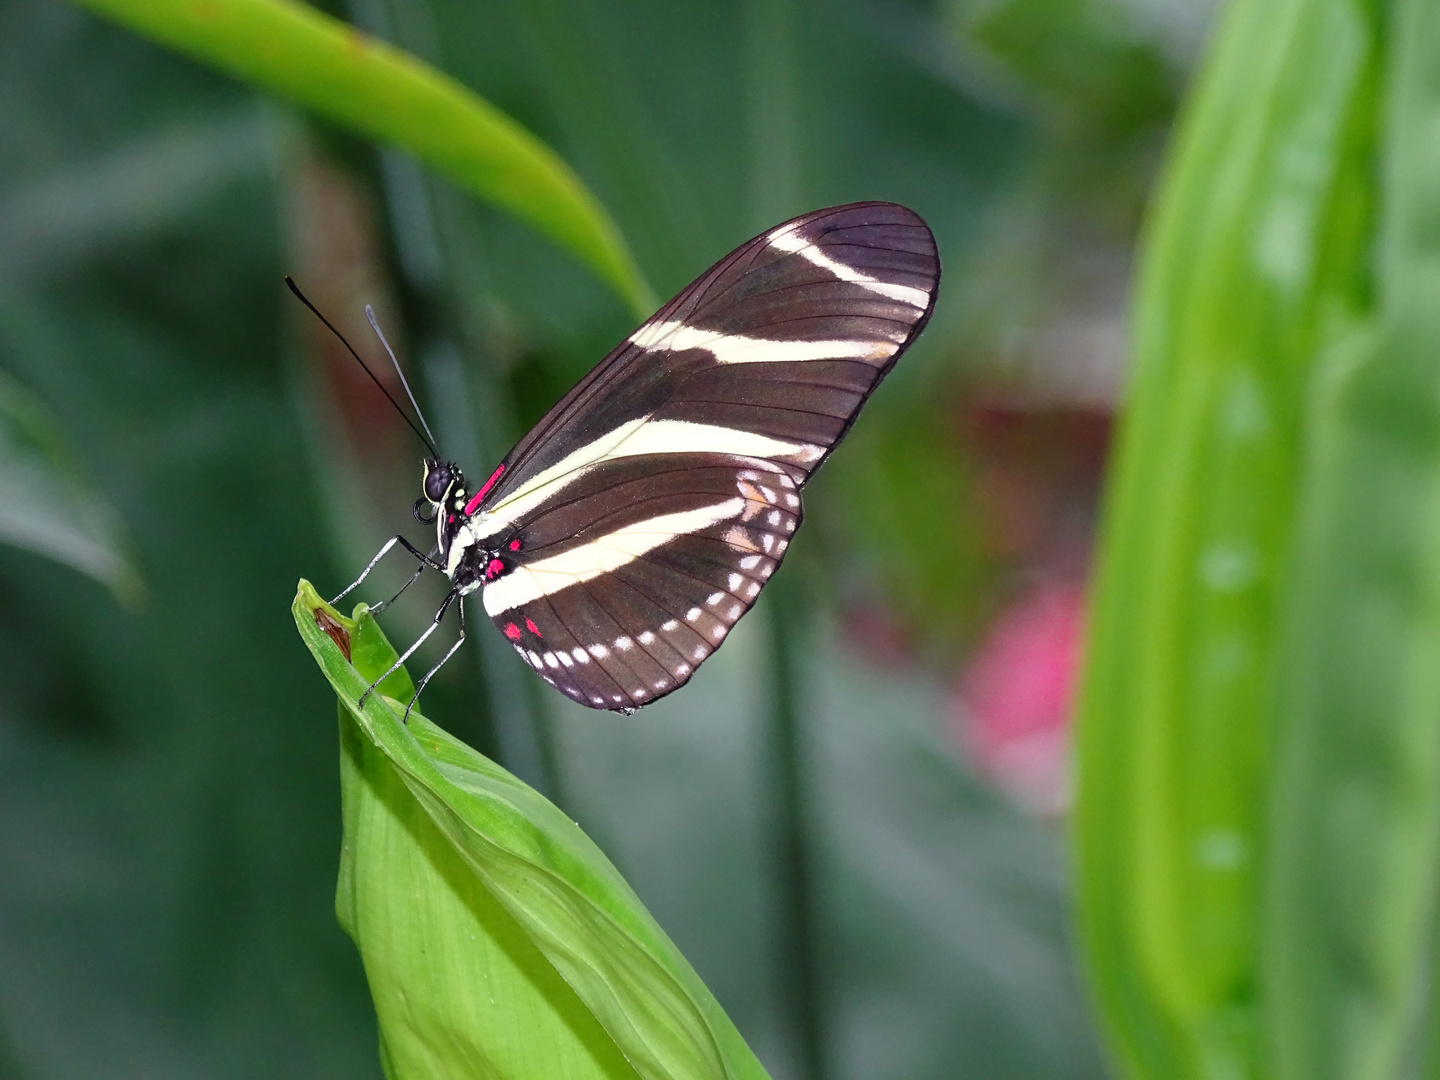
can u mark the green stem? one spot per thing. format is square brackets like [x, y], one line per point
[799, 972]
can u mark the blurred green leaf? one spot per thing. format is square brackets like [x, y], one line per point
[519, 893]
[1354, 838]
[47, 507]
[323, 64]
[1256, 265]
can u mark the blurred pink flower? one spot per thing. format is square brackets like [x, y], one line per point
[1012, 705]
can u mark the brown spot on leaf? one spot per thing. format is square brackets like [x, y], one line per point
[338, 633]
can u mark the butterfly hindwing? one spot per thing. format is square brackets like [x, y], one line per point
[653, 501]
[618, 594]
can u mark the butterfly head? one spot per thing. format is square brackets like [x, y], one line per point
[444, 487]
[440, 476]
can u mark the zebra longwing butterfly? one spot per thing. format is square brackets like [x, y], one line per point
[620, 541]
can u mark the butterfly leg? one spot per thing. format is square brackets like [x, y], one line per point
[460, 612]
[425, 561]
[444, 607]
[376, 608]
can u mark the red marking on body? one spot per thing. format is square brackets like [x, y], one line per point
[514, 545]
[474, 503]
[533, 628]
[494, 568]
[512, 631]
[452, 518]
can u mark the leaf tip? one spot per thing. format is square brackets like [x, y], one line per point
[335, 626]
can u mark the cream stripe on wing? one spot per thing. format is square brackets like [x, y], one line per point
[787, 240]
[638, 437]
[600, 556]
[686, 437]
[733, 349]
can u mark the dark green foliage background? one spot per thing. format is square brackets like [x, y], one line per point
[168, 794]
[169, 831]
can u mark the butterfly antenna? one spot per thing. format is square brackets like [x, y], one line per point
[370, 314]
[429, 442]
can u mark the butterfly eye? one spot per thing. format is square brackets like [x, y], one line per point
[437, 480]
[421, 505]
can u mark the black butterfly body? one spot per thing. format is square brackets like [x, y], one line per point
[619, 542]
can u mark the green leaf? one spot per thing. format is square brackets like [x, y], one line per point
[1355, 831]
[468, 894]
[1256, 265]
[381, 92]
[46, 506]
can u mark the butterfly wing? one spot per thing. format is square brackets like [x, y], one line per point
[645, 497]
[630, 584]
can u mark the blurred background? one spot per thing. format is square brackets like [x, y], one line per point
[853, 821]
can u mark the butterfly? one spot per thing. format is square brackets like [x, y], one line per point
[617, 545]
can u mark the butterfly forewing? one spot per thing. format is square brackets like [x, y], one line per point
[656, 498]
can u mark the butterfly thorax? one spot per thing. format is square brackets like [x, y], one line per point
[471, 556]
